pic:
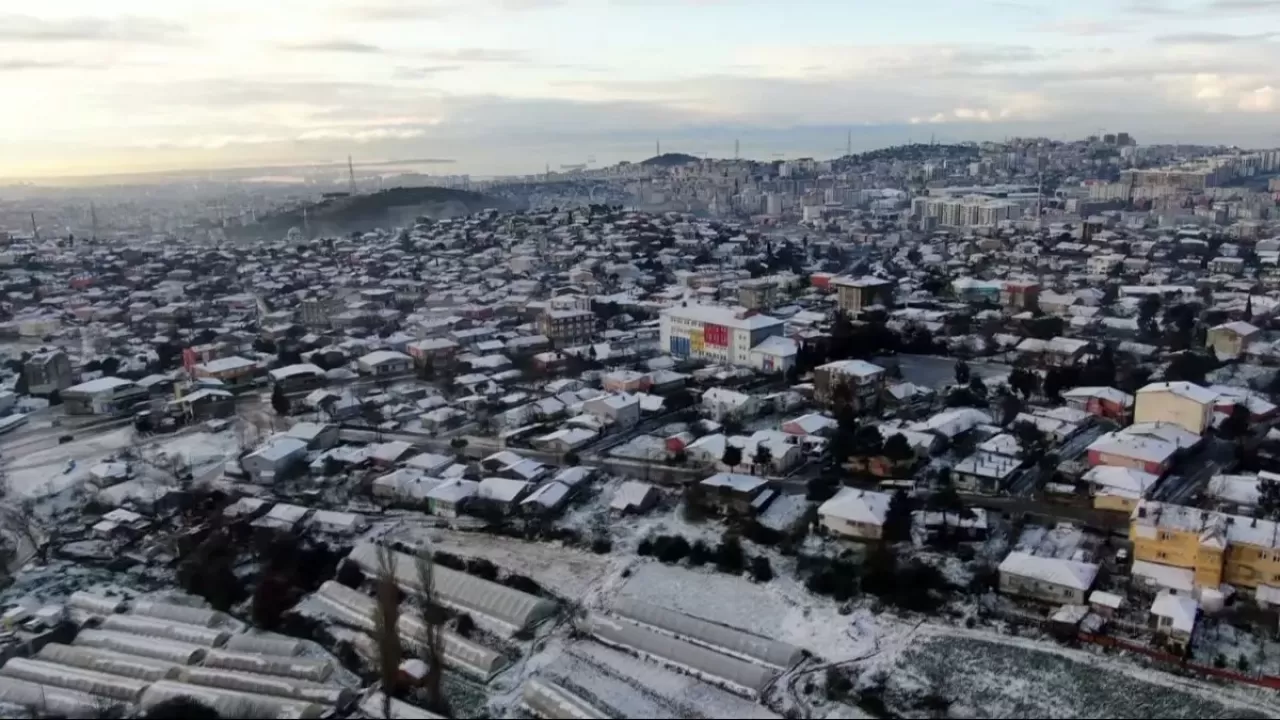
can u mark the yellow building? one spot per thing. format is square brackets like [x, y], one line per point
[1229, 340]
[1181, 403]
[1217, 547]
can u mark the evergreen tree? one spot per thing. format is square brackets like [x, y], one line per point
[280, 401]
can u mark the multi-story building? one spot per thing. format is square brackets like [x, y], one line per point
[233, 371]
[864, 380]
[316, 312]
[715, 333]
[47, 372]
[567, 327]
[1182, 403]
[854, 294]
[757, 294]
[1209, 547]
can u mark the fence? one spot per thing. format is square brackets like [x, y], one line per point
[1160, 656]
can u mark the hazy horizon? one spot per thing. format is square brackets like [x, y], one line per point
[506, 86]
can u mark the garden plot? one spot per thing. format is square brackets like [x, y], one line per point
[569, 573]
[780, 609]
[985, 675]
[637, 688]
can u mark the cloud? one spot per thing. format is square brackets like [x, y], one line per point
[480, 55]
[436, 9]
[362, 135]
[25, 28]
[333, 46]
[1245, 5]
[24, 65]
[1080, 28]
[425, 71]
[1212, 38]
[1263, 99]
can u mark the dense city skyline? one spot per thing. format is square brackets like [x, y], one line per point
[503, 86]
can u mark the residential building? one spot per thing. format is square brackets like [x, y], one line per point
[855, 514]
[234, 372]
[990, 469]
[715, 333]
[274, 459]
[567, 327]
[298, 377]
[316, 312]
[757, 294]
[1182, 403]
[855, 294]
[1149, 447]
[48, 372]
[1056, 352]
[436, 352]
[634, 496]
[1173, 619]
[737, 494]
[1208, 547]
[1105, 402]
[1229, 340]
[385, 363]
[856, 382]
[1118, 488]
[775, 354]
[103, 396]
[1050, 579]
[621, 410]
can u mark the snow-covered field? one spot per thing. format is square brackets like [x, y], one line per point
[45, 472]
[201, 450]
[987, 675]
[636, 688]
[781, 609]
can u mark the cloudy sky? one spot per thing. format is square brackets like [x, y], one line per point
[506, 85]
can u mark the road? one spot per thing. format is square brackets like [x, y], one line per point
[1025, 484]
[1211, 458]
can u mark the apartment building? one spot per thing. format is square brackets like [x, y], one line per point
[1181, 403]
[1209, 548]
[48, 372]
[715, 333]
[567, 327]
[757, 294]
[317, 312]
[864, 380]
[854, 294]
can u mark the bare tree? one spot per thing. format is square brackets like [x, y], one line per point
[21, 522]
[432, 654]
[386, 621]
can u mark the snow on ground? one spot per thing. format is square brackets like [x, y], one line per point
[780, 609]
[989, 675]
[201, 450]
[641, 447]
[635, 688]
[567, 572]
[45, 472]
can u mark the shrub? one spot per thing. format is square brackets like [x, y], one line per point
[670, 548]
[601, 546]
[350, 575]
[838, 684]
[453, 562]
[699, 553]
[1220, 661]
[729, 557]
[523, 584]
[482, 568]
[757, 533]
[761, 571]
[1242, 664]
[465, 625]
[645, 548]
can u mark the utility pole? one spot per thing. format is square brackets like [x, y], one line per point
[351, 177]
[735, 149]
[35, 232]
[848, 144]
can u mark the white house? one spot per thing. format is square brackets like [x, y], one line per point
[384, 362]
[1050, 579]
[274, 458]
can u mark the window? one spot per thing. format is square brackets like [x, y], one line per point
[1162, 555]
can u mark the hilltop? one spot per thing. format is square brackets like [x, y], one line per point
[388, 208]
[670, 160]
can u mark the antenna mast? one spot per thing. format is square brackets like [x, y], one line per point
[93, 220]
[735, 149]
[848, 144]
[351, 177]
[35, 232]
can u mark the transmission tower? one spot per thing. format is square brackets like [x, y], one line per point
[351, 177]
